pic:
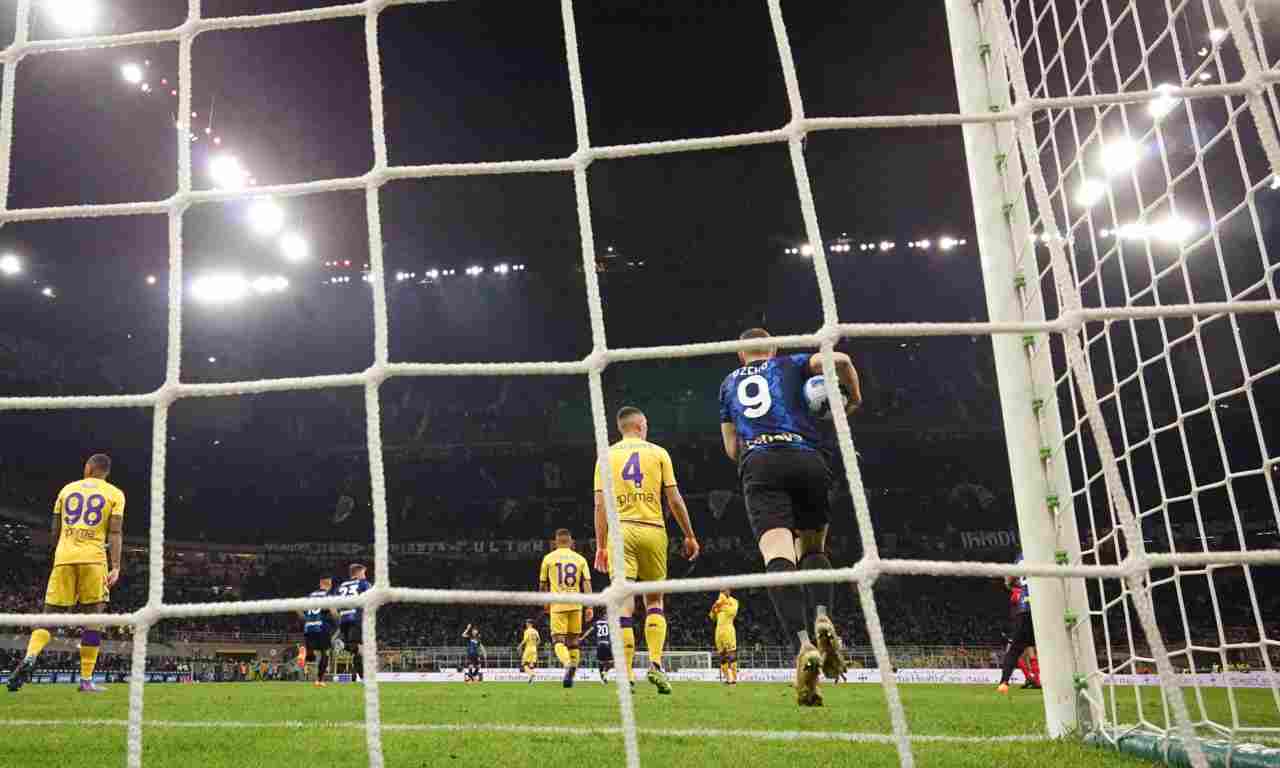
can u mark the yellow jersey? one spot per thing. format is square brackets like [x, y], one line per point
[531, 639]
[85, 508]
[565, 571]
[725, 611]
[640, 470]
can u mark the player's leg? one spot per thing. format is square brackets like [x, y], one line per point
[810, 493]
[1017, 645]
[92, 595]
[630, 544]
[650, 555]
[40, 637]
[322, 668]
[772, 518]
[573, 627]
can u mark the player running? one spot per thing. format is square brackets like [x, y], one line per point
[88, 523]
[768, 429]
[642, 476]
[350, 620]
[317, 633]
[723, 612]
[529, 649]
[604, 650]
[1022, 640]
[565, 571]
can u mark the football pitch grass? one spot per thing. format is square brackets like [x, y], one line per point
[247, 725]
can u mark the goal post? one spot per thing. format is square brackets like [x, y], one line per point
[675, 661]
[1041, 488]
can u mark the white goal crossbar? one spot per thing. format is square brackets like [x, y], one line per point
[1069, 325]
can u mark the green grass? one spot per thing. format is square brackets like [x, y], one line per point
[283, 724]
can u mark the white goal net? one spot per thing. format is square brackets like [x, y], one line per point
[1146, 341]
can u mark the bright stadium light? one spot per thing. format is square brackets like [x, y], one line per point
[226, 172]
[1090, 193]
[151, 279]
[47, 292]
[1217, 35]
[10, 265]
[1161, 106]
[220, 288]
[947, 243]
[1118, 156]
[266, 218]
[475, 271]
[886, 245]
[72, 15]
[132, 73]
[1173, 230]
[294, 247]
[926, 244]
[270, 284]
[806, 250]
[502, 269]
[432, 274]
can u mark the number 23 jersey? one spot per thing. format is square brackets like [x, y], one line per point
[640, 470]
[86, 508]
[765, 403]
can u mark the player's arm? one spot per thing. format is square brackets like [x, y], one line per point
[602, 534]
[729, 435]
[591, 630]
[466, 631]
[679, 510]
[544, 585]
[115, 540]
[846, 374]
[586, 590]
[55, 529]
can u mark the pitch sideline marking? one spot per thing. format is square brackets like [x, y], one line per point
[554, 730]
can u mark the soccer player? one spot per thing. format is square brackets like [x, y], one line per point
[642, 476]
[475, 650]
[317, 633]
[1023, 638]
[564, 571]
[349, 619]
[604, 650]
[529, 649]
[766, 426]
[723, 612]
[88, 524]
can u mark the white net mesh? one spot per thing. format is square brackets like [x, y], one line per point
[1034, 24]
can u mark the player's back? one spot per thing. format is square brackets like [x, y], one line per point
[765, 403]
[86, 508]
[564, 571]
[351, 588]
[639, 470]
[602, 633]
[316, 620]
[531, 638]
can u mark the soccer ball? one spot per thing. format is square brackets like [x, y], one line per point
[815, 396]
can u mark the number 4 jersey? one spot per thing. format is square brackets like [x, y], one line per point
[640, 470]
[86, 508]
[765, 403]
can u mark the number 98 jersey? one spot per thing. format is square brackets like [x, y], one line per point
[765, 403]
[85, 508]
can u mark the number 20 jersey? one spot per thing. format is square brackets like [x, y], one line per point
[765, 403]
[640, 470]
[86, 508]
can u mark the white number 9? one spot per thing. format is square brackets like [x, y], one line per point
[758, 404]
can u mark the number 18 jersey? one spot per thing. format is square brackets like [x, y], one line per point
[640, 470]
[86, 508]
[765, 403]
[564, 571]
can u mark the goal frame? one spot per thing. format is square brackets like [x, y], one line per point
[1047, 528]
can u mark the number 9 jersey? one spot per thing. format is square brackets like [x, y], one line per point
[85, 508]
[765, 403]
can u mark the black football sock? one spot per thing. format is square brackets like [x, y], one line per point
[357, 666]
[1011, 657]
[788, 603]
[821, 596]
[322, 666]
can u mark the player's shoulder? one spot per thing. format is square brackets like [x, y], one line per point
[69, 487]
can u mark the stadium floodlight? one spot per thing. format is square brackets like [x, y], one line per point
[270, 284]
[475, 271]
[1174, 230]
[432, 274]
[502, 269]
[1161, 106]
[47, 292]
[806, 250]
[1217, 35]
[213, 359]
[266, 218]
[132, 73]
[886, 245]
[220, 288]
[294, 247]
[926, 244]
[947, 243]
[1118, 155]
[10, 265]
[73, 16]
[151, 279]
[1090, 193]
[226, 172]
